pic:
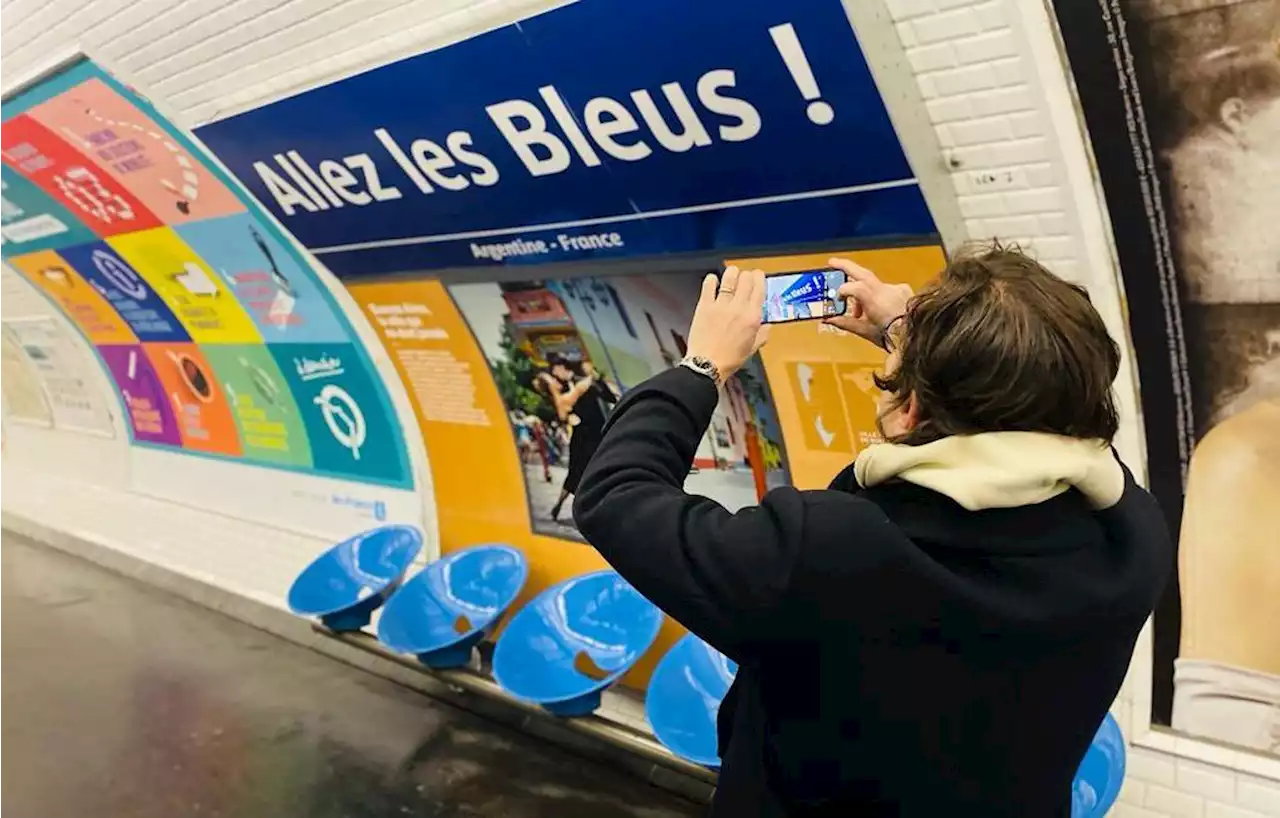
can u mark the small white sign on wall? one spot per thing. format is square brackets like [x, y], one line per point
[24, 399]
[18, 297]
[303, 503]
[61, 369]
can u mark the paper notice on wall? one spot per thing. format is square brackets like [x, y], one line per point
[24, 400]
[17, 297]
[62, 370]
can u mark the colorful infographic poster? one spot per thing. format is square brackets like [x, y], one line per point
[169, 179]
[264, 410]
[269, 281]
[89, 308]
[148, 317]
[218, 335]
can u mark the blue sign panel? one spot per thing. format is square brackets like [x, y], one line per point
[602, 129]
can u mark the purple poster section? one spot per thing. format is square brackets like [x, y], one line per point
[148, 405]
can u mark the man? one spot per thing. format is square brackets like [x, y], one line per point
[941, 631]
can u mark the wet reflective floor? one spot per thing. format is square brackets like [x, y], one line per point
[121, 700]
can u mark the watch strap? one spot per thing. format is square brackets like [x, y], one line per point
[702, 366]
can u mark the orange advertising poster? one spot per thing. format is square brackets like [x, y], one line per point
[821, 377]
[475, 463]
[820, 380]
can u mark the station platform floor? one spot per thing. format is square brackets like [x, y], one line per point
[122, 700]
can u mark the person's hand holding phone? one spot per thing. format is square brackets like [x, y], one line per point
[871, 303]
[727, 325]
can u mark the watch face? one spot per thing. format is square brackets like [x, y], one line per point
[703, 365]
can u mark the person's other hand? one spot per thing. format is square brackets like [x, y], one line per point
[727, 326]
[870, 304]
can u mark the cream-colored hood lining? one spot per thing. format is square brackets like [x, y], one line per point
[999, 469]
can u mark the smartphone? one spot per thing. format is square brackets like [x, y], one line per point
[803, 296]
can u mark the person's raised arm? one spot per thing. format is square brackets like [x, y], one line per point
[873, 307]
[718, 574]
[562, 400]
[600, 384]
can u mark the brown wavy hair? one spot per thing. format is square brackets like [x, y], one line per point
[998, 343]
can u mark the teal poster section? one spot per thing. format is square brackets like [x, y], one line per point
[219, 336]
[44, 223]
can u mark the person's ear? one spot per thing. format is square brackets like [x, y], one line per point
[911, 412]
[1232, 114]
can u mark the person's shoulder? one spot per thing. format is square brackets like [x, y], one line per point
[823, 501]
[1136, 503]
[1235, 470]
[830, 516]
[1241, 447]
[837, 538]
[1137, 525]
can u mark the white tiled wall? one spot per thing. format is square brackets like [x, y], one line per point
[982, 98]
[998, 107]
[205, 59]
[988, 72]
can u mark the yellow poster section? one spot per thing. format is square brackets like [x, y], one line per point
[475, 465]
[821, 377]
[197, 296]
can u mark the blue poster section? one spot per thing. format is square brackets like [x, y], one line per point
[129, 293]
[269, 280]
[602, 129]
[31, 220]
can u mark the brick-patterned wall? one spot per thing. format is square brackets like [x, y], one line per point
[990, 103]
[981, 97]
[206, 59]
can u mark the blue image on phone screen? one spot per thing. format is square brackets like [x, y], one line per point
[801, 296]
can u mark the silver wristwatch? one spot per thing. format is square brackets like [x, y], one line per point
[702, 366]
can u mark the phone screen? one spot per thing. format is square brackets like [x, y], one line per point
[802, 296]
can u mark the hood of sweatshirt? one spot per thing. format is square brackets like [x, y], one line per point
[999, 469]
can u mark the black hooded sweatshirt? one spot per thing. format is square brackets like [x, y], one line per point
[899, 654]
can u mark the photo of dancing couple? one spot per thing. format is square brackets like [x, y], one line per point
[563, 352]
